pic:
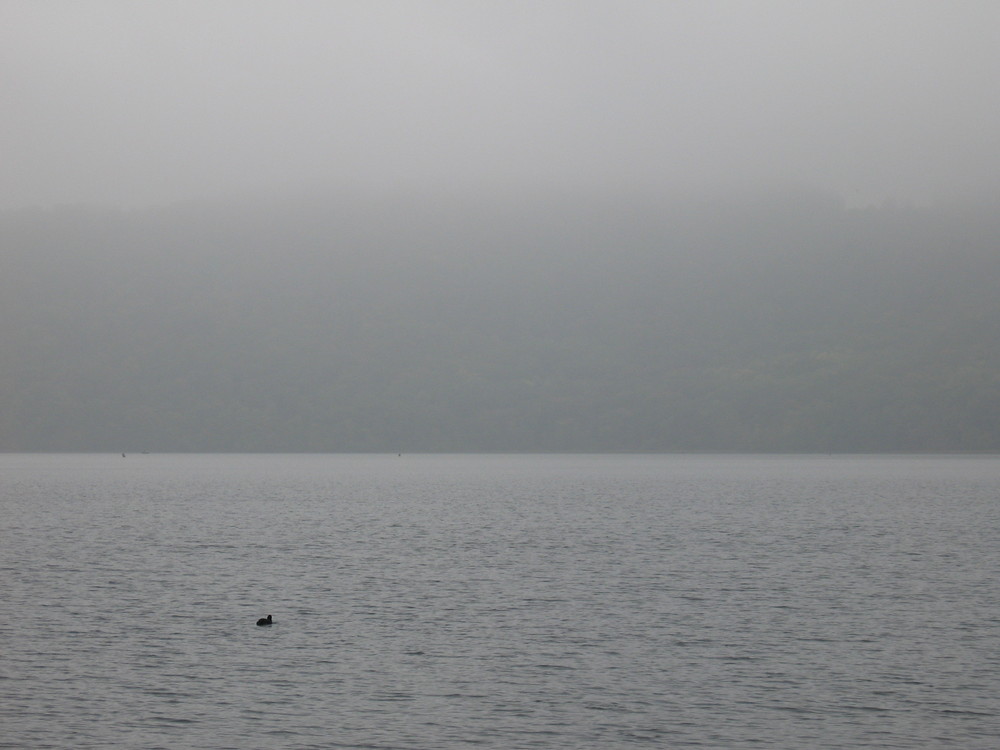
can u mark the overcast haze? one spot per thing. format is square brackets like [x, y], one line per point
[129, 103]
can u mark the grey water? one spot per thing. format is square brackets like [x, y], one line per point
[543, 601]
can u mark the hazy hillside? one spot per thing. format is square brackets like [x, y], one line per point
[780, 322]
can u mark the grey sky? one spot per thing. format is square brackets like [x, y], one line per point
[126, 102]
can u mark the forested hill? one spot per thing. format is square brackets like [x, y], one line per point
[778, 322]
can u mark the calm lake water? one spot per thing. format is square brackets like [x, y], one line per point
[499, 601]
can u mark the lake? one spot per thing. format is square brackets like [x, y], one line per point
[507, 601]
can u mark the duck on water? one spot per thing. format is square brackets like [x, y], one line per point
[264, 620]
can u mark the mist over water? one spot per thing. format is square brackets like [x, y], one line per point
[549, 226]
[504, 601]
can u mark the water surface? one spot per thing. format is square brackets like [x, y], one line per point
[499, 601]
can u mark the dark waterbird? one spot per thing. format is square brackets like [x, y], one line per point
[264, 620]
